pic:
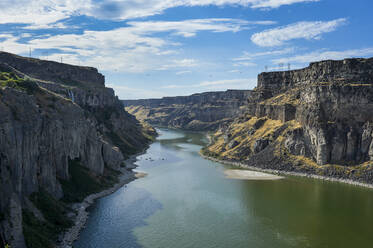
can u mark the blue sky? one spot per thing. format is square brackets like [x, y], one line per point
[155, 48]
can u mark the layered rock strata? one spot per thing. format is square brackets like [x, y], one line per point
[50, 114]
[204, 111]
[316, 119]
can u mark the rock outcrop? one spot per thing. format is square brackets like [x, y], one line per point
[317, 120]
[204, 111]
[50, 114]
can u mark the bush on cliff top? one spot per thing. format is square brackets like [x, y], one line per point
[9, 79]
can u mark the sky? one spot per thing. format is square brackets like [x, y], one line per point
[156, 48]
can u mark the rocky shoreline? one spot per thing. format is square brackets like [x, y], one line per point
[288, 173]
[281, 172]
[67, 238]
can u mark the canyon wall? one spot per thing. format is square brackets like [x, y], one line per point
[50, 114]
[314, 119]
[203, 111]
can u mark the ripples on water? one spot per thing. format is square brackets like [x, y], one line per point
[185, 201]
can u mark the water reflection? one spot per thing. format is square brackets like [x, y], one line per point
[110, 222]
[185, 201]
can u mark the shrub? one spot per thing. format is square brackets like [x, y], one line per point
[83, 183]
[37, 233]
[54, 211]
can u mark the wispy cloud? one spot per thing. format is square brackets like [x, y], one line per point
[300, 30]
[276, 3]
[128, 9]
[244, 64]
[43, 13]
[237, 83]
[183, 72]
[250, 56]
[181, 63]
[325, 55]
[189, 28]
[125, 92]
[135, 48]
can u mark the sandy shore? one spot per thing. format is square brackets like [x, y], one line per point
[250, 175]
[287, 173]
[72, 234]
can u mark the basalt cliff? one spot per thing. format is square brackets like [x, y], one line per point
[203, 111]
[61, 132]
[316, 120]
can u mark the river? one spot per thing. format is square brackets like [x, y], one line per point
[185, 201]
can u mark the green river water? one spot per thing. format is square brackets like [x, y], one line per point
[185, 201]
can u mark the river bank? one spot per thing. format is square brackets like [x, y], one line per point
[186, 201]
[67, 238]
[287, 173]
[282, 172]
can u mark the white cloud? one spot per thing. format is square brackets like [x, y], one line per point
[240, 81]
[237, 83]
[124, 92]
[189, 28]
[43, 13]
[120, 9]
[250, 56]
[325, 55]
[183, 72]
[244, 63]
[301, 30]
[135, 48]
[276, 3]
[234, 71]
[181, 63]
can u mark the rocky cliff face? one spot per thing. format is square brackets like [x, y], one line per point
[205, 111]
[50, 114]
[317, 119]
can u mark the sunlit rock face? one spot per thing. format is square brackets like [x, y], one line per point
[205, 111]
[316, 120]
[332, 100]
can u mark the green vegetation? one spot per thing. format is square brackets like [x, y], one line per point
[43, 233]
[148, 131]
[10, 79]
[125, 147]
[37, 233]
[53, 210]
[83, 182]
[104, 117]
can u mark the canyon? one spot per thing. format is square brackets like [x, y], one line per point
[316, 120]
[198, 112]
[64, 135]
[56, 119]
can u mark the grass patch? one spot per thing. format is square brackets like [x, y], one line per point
[148, 131]
[43, 234]
[289, 97]
[83, 183]
[10, 79]
[54, 211]
[37, 233]
[124, 146]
